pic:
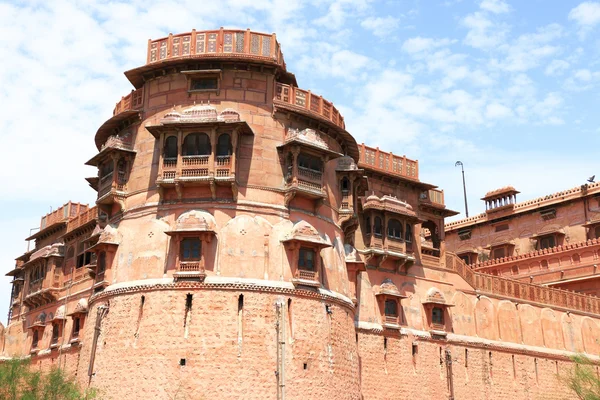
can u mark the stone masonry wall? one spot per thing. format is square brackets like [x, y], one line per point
[393, 372]
[227, 354]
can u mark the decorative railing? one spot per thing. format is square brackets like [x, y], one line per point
[374, 158]
[82, 219]
[195, 173]
[118, 142]
[133, 101]
[310, 102]
[106, 179]
[223, 161]
[169, 163]
[345, 205]
[222, 42]
[311, 186]
[390, 319]
[168, 175]
[104, 190]
[307, 275]
[311, 174]
[222, 173]
[194, 160]
[63, 213]
[435, 196]
[501, 286]
[79, 274]
[395, 245]
[190, 266]
[540, 255]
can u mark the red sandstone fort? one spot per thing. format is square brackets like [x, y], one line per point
[243, 245]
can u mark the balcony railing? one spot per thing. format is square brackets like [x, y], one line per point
[190, 266]
[82, 219]
[310, 186]
[310, 174]
[133, 101]
[374, 158]
[192, 161]
[491, 284]
[35, 286]
[307, 275]
[223, 42]
[434, 196]
[310, 102]
[63, 213]
[223, 161]
[390, 319]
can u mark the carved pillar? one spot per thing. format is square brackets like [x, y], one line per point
[295, 153]
[213, 152]
[179, 153]
[234, 141]
[161, 154]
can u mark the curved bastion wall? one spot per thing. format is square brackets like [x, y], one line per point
[244, 246]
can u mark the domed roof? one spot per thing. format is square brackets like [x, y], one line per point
[200, 111]
[388, 286]
[81, 307]
[60, 313]
[195, 221]
[302, 231]
[435, 296]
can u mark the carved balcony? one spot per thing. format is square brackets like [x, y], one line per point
[306, 278]
[193, 270]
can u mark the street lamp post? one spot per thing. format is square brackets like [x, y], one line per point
[464, 185]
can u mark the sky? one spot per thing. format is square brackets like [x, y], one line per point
[510, 88]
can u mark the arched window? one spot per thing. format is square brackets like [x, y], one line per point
[224, 145]
[345, 185]
[437, 316]
[368, 225]
[394, 229]
[170, 150]
[196, 144]
[408, 235]
[378, 226]
[391, 308]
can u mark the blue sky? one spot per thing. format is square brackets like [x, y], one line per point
[510, 88]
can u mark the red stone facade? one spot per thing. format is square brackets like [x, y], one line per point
[243, 245]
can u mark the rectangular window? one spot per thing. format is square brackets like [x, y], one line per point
[499, 252]
[391, 308]
[466, 259]
[437, 316]
[306, 259]
[190, 249]
[546, 242]
[204, 84]
[54, 333]
[76, 327]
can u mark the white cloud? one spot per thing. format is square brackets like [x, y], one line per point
[497, 111]
[586, 15]
[420, 44]
[483, 32]
[557, 67]
[381, 26]
[582, 79]
[495, 6]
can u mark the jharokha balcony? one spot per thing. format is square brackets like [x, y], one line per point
[305, 153]
[114, 163]
[126, 112]
[199, 147]
[389, 227]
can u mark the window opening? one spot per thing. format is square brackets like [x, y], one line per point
[224, 145]
[378, 226]
[170, 148]
[391, 308]
[101, 262]
[368, 225]
[204, 84]
[36, 338]
[310, 162]
[76, 326]
[306, 259]
[190, 249]
[394, 229]
[196, 144]
[437, 316]
[54, 333]
[409, 233]
[547, 242]
[345, 185]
